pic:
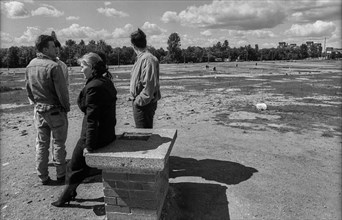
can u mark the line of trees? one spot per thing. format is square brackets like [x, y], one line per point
[14, 57]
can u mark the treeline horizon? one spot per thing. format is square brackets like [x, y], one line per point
[16, 57]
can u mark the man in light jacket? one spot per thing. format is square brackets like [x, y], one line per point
[144, 84]
[46, 88]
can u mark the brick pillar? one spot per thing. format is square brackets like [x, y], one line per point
[135, 172]
[137, 196]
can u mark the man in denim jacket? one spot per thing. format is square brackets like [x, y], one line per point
[46, 88]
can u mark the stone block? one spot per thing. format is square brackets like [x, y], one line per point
[135, 156]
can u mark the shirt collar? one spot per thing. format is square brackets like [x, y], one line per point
[141, 52]
[43, 56]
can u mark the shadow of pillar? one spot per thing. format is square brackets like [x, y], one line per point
[196, 201]
[202, 201]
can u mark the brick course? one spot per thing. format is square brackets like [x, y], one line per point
[128, 196]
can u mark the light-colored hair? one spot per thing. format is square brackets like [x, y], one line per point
[89, 59]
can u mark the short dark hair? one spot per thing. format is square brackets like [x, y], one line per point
[43, 42]
[57, 44]
[138, 38]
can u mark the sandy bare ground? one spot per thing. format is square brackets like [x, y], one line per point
[230, 161]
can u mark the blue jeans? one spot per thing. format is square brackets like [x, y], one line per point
[53, 123]
[143, 115]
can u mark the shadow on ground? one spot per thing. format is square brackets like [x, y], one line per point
[202, 201]
[225, 172]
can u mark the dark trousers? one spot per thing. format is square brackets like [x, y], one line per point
[143, 115]
[77, 169]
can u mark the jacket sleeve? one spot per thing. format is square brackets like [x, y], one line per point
[148, 81]
[28, 89]
[92, 117]
[60, 86]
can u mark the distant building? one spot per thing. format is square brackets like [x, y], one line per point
[282, 44]
[330, 50]
[309, 43]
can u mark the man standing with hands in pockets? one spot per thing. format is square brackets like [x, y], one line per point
[144, 84]
[46, 88]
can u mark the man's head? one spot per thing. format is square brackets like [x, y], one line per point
[138, 39]
[46, 45]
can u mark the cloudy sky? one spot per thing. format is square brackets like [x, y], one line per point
[198, 23]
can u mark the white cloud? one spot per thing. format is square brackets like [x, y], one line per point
[112, 12]
[310, 11]
[47, 10]
[75, 31]
[260, 34]
[235, 14]
[28, 1]
[152, 29]
[170, 16]
[123, 32]
[29, 36]
[6, 38]
[14, 9]
[336, 39]
[107, 3]
[69, 18]
[206, 33]
[158, 41]
[317, 29]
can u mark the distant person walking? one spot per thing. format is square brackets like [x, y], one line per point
[144, 85]
[46, 89]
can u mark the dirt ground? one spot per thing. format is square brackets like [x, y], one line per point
[230, 160]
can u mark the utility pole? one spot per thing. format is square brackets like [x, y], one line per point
[118, 58]
[325, 52]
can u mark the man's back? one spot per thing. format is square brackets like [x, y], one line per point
[45, 83]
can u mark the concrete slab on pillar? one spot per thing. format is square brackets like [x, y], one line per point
[135, 151]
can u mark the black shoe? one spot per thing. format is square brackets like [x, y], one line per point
[73, 195]
[46, 182]
[61, 180]
[68, 194]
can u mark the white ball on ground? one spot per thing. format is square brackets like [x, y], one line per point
[261, 106]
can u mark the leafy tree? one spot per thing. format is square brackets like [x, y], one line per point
[225, 45]
[12, 57]
[91, 47]
[304, 51]
[175, 53]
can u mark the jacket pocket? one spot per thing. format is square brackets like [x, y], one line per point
[56, 119]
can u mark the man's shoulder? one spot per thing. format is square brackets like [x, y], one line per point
[42, 62]
[150, 57]
[60, 62]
